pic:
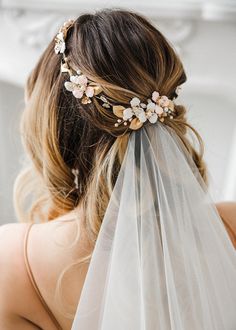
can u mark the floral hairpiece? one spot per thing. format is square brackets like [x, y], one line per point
[157, 108]
[60, 44]
[81, 87]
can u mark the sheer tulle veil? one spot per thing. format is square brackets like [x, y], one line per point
[163, 259]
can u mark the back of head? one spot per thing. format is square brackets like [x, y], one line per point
[127, 56]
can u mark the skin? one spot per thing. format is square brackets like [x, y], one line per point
[20, 307]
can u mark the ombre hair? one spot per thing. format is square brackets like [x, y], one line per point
[124, 53]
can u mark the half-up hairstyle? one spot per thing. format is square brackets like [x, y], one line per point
[124, 53]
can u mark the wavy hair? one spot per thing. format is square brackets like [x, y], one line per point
[124, 53]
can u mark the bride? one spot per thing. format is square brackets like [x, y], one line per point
[117, 229]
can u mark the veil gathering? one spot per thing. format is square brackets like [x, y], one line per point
[162, 259]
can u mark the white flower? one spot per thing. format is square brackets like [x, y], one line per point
[151, 106]
[159, 110]
[135, 102]
[152, 111]
[89, 91]
[60, 45]
[74, 79]
[82, 79]
[142, 117]
[153, 118]
[140, 114]
[164, 101]
[128, 113]
[77, 93]
[155, 96]
[151, 114]
[137, 110]
[78, 85]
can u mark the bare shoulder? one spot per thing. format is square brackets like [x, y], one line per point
[53, 249]
[11, 236]
[14, 286]
[11, 247]
[227, 211]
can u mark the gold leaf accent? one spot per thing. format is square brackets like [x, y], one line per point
[171, 105]
[118, 110]
[97, 90]
[86, 100]
[65, 68]
[135, 124]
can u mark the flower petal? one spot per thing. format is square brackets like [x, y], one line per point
[74, 79]
[82, 80]
[63, 47]
[77, 93]
[159, 110]
[153, 118]
[143, 105]
[69, 86]
[89, 91]
[82, 88]
[128, 113]
[135, 102]
[142, 117]
[155, 96]
[151, 106]
[118, 110]
[164, 101]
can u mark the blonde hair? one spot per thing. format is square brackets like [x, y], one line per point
[60, 133]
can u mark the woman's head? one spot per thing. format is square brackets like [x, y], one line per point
[128, 57]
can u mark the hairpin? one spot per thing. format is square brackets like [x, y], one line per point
[156, 109]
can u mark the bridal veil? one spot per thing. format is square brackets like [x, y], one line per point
[163, 259]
